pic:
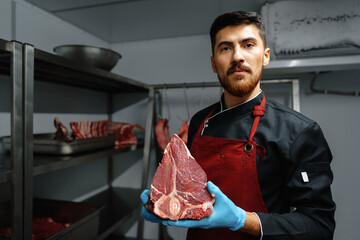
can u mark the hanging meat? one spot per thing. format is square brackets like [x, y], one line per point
[162, 133]
[183, 132]
[178, 189]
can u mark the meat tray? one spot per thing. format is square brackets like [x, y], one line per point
[45, 144]
[84, 218]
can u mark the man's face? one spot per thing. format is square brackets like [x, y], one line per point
[239, 57]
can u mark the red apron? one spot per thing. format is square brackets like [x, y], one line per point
[231, 165]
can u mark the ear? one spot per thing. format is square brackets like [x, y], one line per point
[266, 59]
[213, 65]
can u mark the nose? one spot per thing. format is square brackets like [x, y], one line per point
[238, 56]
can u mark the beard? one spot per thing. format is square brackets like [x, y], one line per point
[240, 86]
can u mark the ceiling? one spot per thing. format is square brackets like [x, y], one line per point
[134, 20]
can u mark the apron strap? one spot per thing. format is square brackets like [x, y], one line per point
[258, 112]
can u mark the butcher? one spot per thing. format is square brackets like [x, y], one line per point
[267, 165]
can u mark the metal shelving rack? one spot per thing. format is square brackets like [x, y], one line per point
[11, 57]
[25, 64]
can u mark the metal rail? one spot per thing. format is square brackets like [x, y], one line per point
[294, 82]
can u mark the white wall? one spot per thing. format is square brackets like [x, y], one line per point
[187, 59]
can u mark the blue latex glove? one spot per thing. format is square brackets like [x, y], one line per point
[144, 212]
[226, 214]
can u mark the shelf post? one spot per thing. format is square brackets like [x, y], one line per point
[28, 112]
[147, 150]
[16, 140]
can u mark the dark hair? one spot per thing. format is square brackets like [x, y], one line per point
[236, 18]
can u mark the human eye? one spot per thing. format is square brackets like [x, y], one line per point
[249, 45]
[226, 48]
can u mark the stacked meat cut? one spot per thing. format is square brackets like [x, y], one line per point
[89, 129]
[178, 189]
[125, 133]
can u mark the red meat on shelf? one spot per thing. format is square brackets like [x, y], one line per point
[42, 228]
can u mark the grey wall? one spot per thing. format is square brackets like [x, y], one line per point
[175, 60]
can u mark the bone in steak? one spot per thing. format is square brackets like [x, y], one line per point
[61, 131]
[178, 189]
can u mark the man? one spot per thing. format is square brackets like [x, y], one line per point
[262, 159]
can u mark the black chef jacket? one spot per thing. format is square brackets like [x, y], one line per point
[295, 173]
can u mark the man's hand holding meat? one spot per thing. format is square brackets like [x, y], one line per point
[226, 214]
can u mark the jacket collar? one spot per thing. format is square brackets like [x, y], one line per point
[235, 111]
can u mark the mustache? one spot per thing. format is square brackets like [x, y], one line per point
[236, 66]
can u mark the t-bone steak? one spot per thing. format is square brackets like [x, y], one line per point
[178, 189]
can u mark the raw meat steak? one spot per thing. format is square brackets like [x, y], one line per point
[61, 131]
[88, 129]
[178, 189]
[125, 133]
[162, 133]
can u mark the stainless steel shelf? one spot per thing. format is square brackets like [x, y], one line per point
[49, 163]
[122, 210]
[52, 68]
[318, 64]
[24, 64]
[4, 45]
[49, 67]
[5, 168]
